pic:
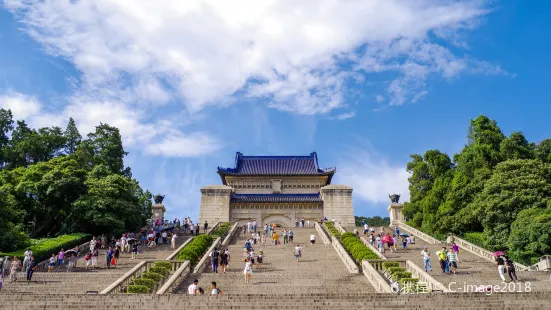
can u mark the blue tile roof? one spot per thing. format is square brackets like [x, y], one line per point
[276, 198]
[276, 166]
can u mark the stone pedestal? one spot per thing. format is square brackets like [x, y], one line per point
[158, 211]
[215, 204]
[337, 204]
[395, 210]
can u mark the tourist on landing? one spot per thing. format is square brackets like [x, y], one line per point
[109, 257]
[366, 229]
[95, 256]
[397, 230]
[260, 259]
[380, 245]
[442, 258]
[511, 269]
[215, 290]
[71, 263]
[60, 257]
[296, 222]
[265, 229]
[382, 230]
[500, 262]
[372, 229]
[254, 226]
[32, 267]
[251, 256]
[193, 288]
[206, 226]
[248, 270]
[87, 259]
[134, 251]
[249, 226]
[164, 235]
[298, 252]
[214, 256]
[117, 255]
[27, 259]
[93, 243]
[223, 260]
[285, 237]
[228, 253]
[452, 262]
[173, 241]
[313, 239]
[302, 221]
[275, 237]
[51, 264]
[426, 259]
[308, 223]
[455, 249]
[395, 242]
[191, 230]
[404, 243]
[15, 264]
[291, 235]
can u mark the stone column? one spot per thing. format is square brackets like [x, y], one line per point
[337, 204]
[215, 204]
[395, 210]
[158, 210]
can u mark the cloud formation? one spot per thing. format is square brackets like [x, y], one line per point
[298, 55]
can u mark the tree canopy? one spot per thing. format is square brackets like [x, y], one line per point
[53, 182]
[494, 186]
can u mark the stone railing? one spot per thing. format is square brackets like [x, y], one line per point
[380, 284]
[483, 253]
[377, 264]
[419, 273]
[324, 237]
[175, 253]
[339, 227]
[121, 283]
[175, 279]
[347, 260]
[372, 248]
[213, 228]
[418, 233]
[230, 235]
[203, 262]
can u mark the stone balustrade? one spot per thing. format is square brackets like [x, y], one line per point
[175, 279]
[418, 233]
[347, 260]
[213, 228]
[203, 262]
[323, 235]
[380, 284]
[339, 227]
[372, 248]
[230, 235]
[175, 253]
[419, 273]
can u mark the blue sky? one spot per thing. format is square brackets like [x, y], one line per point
[363, 83]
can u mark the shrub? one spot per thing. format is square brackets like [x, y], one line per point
[196, 248]
[403, 281]
[401, 275]
[347, 234]
[393, 270]
[137, 289]
[332, 230]
[44, 248]
[476, 238]
[153, 276]
[387, 265]
[166, 265]
[160, 270]
[356, 248]
[222, 230]
[145, 282]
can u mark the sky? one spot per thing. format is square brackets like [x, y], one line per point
[364, 83]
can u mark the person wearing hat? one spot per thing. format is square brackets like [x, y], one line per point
[426, 259]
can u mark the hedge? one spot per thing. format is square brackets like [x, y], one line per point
[166, 265]
[196, 249]
[153, 276]
[137, 289]
[160, 270]
[150, 283]
[401, 275]
[332, 230]
[387, 265]
[356, 248]
[222, 230]
[46, 247]
[403, 281]
[393, 270]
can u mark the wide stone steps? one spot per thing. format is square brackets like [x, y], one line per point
[472, 270]
[320, 270]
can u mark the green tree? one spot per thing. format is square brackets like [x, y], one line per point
[531, 235]
[543, 151]
[106, 145]
[72, 137]
[516, 147]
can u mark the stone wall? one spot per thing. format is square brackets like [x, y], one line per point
[215, 204]
[271, 185]
[337, 204]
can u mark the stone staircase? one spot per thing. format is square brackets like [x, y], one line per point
[472, 270]
[321, 271]
[81, 280]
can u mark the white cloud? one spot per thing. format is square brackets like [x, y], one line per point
[297, 54]
[21, 106]
[373, 177]
[379, 98]
[178, 145]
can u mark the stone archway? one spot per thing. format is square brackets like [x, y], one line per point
[278, 219]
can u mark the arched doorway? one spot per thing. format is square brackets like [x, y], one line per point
[279, 219]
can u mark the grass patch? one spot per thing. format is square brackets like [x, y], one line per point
[44, 248]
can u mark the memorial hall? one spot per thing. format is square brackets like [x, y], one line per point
[276, 189]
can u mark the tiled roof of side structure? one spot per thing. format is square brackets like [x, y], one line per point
[276, 198]
[276, 165]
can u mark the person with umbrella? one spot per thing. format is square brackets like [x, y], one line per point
[500, 262]
[404, 241]
[71, 255]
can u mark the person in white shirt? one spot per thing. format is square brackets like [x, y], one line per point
[308, 223]
[163, 235]
[215, 290]
[366, 228]
[298, 252]
[313, 239]
[173, 241]
[27, 259]
[192, 289]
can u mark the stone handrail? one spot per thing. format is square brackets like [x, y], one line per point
[380, 284]
[175, 253]
[418, 233]
[173, 282]
[419, 273]
[483, 253]
[122, 282]
[201, 265]
[230, 235]
[339, 227]
[44, 264]
[322, 233]
[372, 248]
[213, 228]
[346, 259]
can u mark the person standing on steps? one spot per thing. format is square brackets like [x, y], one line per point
[215, 290]
[95, 256]
[223, 260]
[500, 262]
[313, 239]
[135, 250]
[291, 235]
[52, 263]
[452, 262]
[275, 237]
[15, 264]
[511, 269]
[109, 257]
[193, 288]
[173, 241]
[298, 252]
[32, 267]
[442, 258]
[248, 270]
[455, 249]
[27, 259]
[60, 257]
[214, 255]
[285, 237]
[197, 229]
[206, 225]
[260, 259]
[426, 259]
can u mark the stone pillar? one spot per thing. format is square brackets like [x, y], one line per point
[395, 210]
[158, 210]
[337, 204]
[215, 204]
